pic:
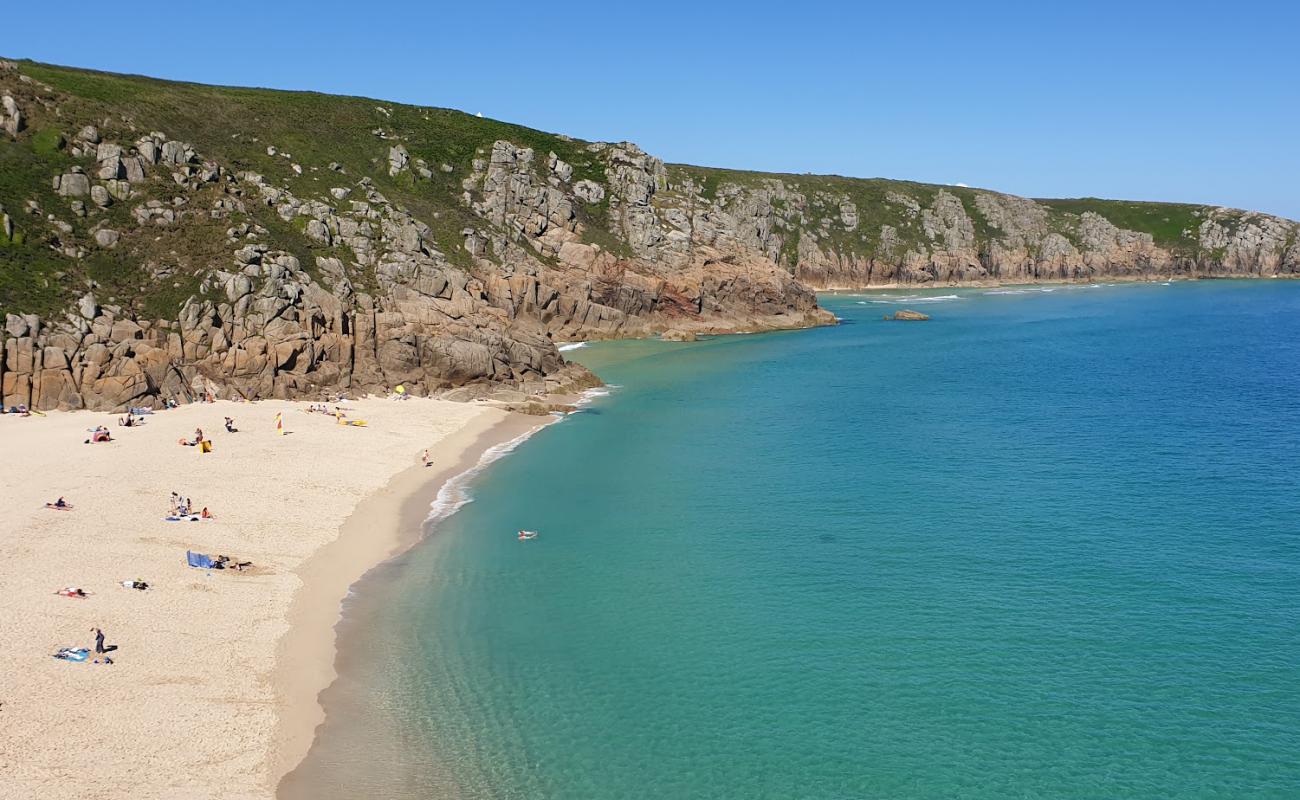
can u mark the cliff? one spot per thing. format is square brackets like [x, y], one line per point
[161, 239]
[170, 240]
[834, 232]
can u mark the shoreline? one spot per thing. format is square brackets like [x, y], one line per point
[996, 284]
[394, 517]
[213, 685]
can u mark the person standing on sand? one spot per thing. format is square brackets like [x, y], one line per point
[99, 640]
[427, 462]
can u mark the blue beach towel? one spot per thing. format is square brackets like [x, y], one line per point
[198, 560]
[78, 655]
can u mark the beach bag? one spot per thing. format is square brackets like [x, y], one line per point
[205, 446]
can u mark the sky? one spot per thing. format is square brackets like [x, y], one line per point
[1177, 101]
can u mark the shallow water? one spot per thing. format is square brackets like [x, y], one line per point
[1044, 545]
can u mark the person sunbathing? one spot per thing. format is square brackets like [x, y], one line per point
[205, 514]
[60, 504]
[230, 426]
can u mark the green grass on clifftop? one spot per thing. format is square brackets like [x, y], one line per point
[1170, 224]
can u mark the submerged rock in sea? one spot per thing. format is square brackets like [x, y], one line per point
[907, 315]
[675, 335]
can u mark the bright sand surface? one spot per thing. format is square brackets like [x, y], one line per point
[213, 688]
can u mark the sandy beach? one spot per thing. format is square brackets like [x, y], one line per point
[212, 690]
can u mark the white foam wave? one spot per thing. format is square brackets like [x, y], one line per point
[1024, 290]
[917, 299]
[567, 346]
[455, 493]
[590, 395]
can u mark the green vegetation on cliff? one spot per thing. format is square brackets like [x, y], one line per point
[305, 143]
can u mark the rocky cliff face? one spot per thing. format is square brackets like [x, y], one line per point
[536, 263]
[840, 233]
[369, 298]
[165, 240]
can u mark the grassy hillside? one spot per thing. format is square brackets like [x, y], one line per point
[235, 126]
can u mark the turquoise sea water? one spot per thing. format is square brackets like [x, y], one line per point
[1044, 545]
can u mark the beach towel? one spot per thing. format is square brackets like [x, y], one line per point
[199, 560]
[182, 518]
[78, 655]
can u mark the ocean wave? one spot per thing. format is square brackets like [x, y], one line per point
[1025, 290]
[917, 299]
[567, 346]
[455, 493]
[589, 396]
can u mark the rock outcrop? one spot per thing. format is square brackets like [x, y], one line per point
[907, 315]
[380, 301]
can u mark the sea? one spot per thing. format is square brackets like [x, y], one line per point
[1043, 545]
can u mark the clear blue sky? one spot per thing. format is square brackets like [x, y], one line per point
[1185, 101]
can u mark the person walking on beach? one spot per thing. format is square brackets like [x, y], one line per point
[427, 462]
